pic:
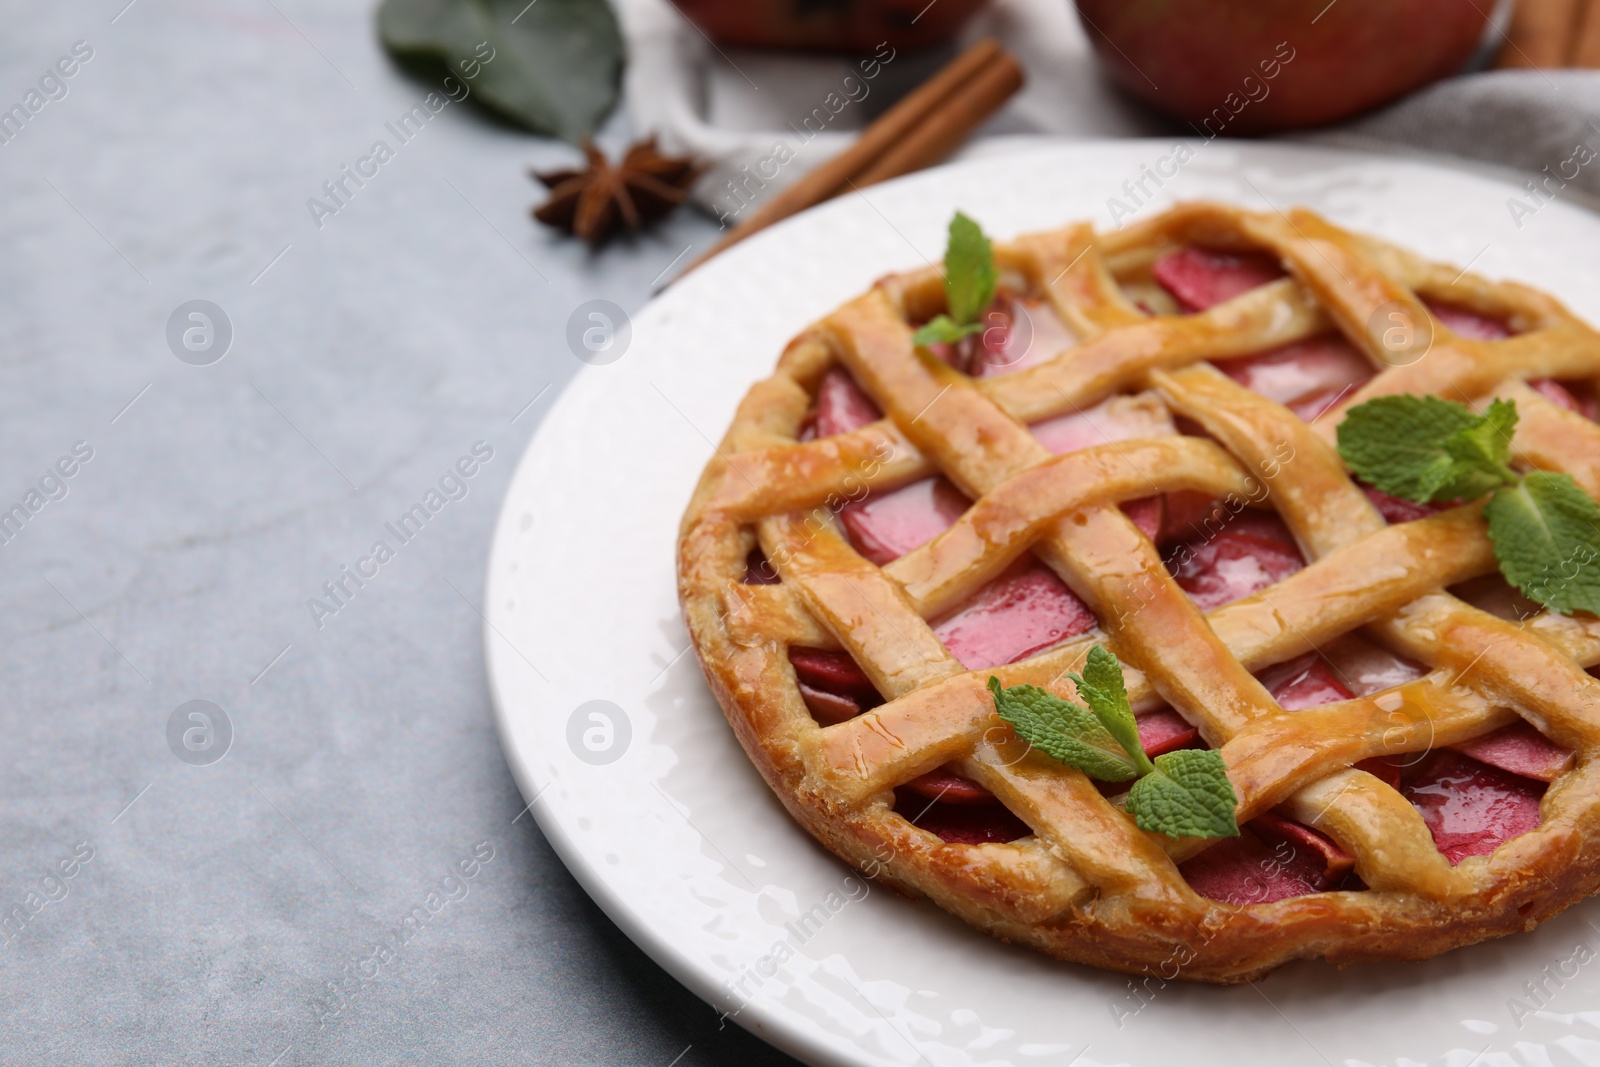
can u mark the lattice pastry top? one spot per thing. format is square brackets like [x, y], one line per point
[1138, 453]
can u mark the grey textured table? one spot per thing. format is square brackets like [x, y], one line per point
[161, 910]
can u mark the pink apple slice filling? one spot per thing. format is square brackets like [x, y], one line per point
[948, 787]
[1366, 668]
[1470, 807]
[829, 708]
[841, 405]
[1472, 798]
[1310, 376]
[1253, 551]
[1307, 376]
[1025, 610]
[834, 671]
[758, 570]
[1020, 333]
[832, 684]
[1464, 323]
[1330, 862]
[1184, 515]
[1245, 870]
[1116, 418]
[1201, 278]
[1520, 749]
[1394, 509]
[1306, 682]
[1273, 858]
[885, 526]
[982, 823]
[1164, 730]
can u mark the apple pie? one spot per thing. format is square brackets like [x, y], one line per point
[1133, 445]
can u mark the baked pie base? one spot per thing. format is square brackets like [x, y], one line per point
[1083, 883]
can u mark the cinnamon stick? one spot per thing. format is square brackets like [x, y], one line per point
[1586, 47]
[939, 134]
[1540, 34]
[969, 87]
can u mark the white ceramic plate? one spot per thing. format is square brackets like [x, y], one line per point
[679, 839]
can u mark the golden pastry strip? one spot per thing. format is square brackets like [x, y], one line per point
[1391, 844]
[1265, 318]
[858, 604]
[1007, 522]
[1074, 820]
[1078, 286]
[829, 472]
[1303, 478]
[1459, 369]
[1506, 661]
[1551, 438]
[1269, 761]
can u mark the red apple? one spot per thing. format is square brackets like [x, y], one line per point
[1248, 66]
[837, 25]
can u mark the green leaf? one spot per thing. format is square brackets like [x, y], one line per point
[1187, 795]
[1422, 448]
[1546, 534]
[1481, 453]
[553, 66]
[1063, 731]
[1103, 689]
[943, 328]
[969, 272]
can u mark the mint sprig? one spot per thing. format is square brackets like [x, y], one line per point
[1182, 794]
[1544, 528]
[1066, 732]
[970, 279]
[1102, 688]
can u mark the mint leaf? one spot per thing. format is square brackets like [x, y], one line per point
[1546, 534]
[943, 328]
[1481, 453]
[1103, 689]
[1422, 448]
[1187, 795]
[1062, 730]
[969, 272]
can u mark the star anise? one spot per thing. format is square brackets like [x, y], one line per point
[589, 202]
